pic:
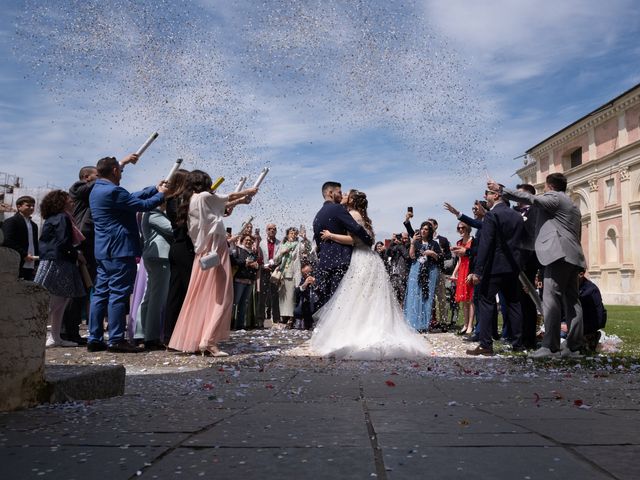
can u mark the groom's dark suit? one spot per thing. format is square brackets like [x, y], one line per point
[333, 258]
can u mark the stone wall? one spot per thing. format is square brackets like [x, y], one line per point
[23, 327]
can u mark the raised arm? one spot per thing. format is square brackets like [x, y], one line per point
[407, 225]
[472, 222]
[139, 201]
[549, 200]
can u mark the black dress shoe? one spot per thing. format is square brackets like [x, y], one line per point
[96, 346]
[471, 338]
[479, 350]
[154, 346]
[124, 347]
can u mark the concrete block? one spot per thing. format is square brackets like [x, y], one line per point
[66, 383]
[23, 323]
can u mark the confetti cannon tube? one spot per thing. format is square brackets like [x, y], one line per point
[241, 183]
[146, 144]
[246, 222]
[217, 183]
[174, 169]
[263, 174]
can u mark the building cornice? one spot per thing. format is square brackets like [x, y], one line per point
[610, 212]
[529, 168]
[604, 166]
[596, 118]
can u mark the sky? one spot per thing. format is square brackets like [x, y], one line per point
[413, 102]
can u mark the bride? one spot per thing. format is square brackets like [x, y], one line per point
[363, 320]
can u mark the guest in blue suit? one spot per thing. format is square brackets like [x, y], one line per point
[117, 244]
[496, 270]
[333, 257]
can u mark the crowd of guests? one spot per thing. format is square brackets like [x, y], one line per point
[161, 268]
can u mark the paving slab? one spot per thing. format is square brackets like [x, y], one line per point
[77, 463]
[631, 413]
[400, 388]
[79, 436]
[259, 464]
[231, 386]
[322, 388]
[416, 441]
[597, 431]
[619, 460]
[443, 420]
[529, 463]
[289, 425]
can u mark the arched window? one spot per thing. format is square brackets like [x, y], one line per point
[579, 202]
[611, 246]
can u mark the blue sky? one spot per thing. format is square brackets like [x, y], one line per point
[412, 102]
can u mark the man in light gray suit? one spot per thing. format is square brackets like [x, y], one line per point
[268, 300]
[557, 245]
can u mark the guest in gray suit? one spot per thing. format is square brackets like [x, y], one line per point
[158, 236]
[557, 245]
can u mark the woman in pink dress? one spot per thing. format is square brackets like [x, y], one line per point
[464, 289]
[205, 317]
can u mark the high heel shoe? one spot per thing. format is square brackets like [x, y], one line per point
[213, 351]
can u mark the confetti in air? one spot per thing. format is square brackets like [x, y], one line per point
[211, 77]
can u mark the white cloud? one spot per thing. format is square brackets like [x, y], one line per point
[513, 41]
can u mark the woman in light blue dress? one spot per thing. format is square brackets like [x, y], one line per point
[423, 277]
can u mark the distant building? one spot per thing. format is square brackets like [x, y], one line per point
[12, 188]
[600, 156]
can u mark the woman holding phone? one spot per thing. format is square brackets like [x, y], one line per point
[423, 277]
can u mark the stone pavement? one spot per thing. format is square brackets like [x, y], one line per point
[270, 411]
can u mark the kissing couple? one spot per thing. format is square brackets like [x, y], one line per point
[359, 317]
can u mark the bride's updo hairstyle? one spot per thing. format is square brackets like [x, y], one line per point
[358, 201]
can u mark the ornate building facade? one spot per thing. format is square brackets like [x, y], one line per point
[600, 156]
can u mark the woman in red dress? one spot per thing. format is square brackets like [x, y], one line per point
[464, 288]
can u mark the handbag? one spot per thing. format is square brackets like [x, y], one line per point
[449, 265]
[276, 277]
[209, 260]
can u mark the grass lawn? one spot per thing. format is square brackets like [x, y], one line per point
[624, 321]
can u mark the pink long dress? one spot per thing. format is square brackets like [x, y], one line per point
[205, 317]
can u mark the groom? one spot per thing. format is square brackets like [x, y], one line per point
[333, 258]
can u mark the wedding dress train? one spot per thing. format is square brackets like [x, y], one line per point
[363, 320]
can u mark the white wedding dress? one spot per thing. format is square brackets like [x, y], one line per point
[363, 320]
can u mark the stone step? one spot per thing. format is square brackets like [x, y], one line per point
[68, 383]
